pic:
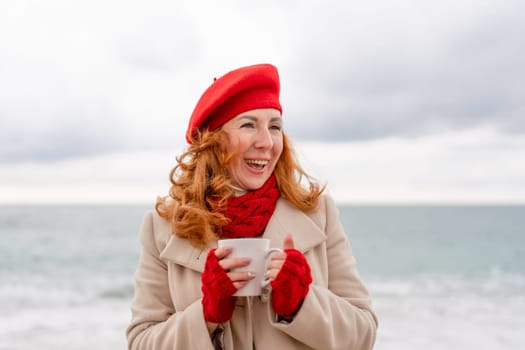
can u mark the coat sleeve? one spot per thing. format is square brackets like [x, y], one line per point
[154, 323]
[340, 316]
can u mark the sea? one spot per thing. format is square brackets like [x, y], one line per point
[440, 277]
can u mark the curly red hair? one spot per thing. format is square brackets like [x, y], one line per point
[200, 187]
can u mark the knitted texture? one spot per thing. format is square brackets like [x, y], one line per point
[291, 285]
[217, 289]
[249, 214]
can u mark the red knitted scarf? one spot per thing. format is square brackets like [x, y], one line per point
[249, 214]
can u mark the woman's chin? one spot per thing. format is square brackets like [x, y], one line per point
[253, 183]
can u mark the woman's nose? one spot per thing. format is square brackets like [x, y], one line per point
[264, 139]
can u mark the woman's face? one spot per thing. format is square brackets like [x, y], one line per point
[256, 139]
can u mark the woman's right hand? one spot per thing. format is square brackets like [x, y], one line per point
[239, 279]
[219, 284]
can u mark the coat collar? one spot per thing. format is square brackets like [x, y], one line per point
[181, 252]
[288, 219]
[285, 219]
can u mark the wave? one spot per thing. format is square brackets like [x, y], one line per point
[494, 284]
[450, 311]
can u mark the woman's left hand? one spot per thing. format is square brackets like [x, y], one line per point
[277, 259]
[290, 279]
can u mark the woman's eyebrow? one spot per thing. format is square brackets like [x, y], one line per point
[253, 118]
[250, 117]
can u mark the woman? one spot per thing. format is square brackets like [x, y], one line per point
[239, 178]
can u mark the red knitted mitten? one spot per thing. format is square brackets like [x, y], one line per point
[291, 285]
[217, 289]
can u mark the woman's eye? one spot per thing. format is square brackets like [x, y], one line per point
[275, 127]
[247, 125]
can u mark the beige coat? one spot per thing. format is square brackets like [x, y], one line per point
[336, 313]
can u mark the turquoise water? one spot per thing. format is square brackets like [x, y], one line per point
[472, 241]
[66, 274]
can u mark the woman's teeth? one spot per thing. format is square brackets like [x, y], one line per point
[257, 163]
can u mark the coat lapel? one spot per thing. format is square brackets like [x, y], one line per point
[288, 219]
[181, 252]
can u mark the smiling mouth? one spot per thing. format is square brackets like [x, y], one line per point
[257, 163]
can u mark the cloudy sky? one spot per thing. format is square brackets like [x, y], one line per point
[387, 101]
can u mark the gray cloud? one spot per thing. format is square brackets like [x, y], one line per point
[79, 80]
[459, 71]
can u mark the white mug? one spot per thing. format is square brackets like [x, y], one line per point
[258, 250]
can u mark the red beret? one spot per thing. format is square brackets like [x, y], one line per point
[238, 91]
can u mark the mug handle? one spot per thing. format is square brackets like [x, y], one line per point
[266, 281]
